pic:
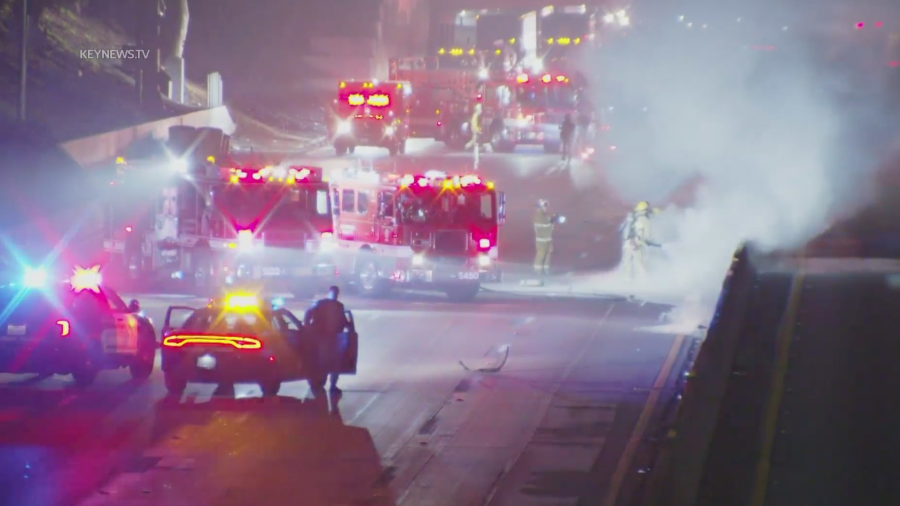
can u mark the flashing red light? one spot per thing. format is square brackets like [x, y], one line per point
[894, 64]
[439, 123]
[546, 78]
[523, 78]
[64, 327]
[484, 243]
[423, 182]
[860, 25]
[879, 24]
[239, 342]
[478, 97]
[128, 229]
[561, 79]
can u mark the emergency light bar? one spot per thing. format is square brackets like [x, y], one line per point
[434, 178]
[86, 279]
[565, 41]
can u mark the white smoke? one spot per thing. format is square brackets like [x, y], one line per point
[766, 128]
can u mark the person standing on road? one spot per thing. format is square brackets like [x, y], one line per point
[543, 238]
[636, 238]
[327, 320]
[566, 135]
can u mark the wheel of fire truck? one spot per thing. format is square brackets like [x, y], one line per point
[175, 385]
[367, 281]
[463, 293]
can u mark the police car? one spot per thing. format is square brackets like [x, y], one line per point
[242, 338]
[78, 327]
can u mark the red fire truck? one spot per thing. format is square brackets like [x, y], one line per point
[430, 232]
[216, 226]
[528, 108]
[444, 85]
[370, 113]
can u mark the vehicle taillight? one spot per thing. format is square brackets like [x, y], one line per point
[239, 342]
[64, 327]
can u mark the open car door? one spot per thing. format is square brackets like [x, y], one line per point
[349, 346]
[175, 317]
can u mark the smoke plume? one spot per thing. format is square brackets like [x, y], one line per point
[771, 114]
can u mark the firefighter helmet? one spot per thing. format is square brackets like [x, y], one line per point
[642, 206]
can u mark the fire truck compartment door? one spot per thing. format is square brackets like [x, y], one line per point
[501, 208]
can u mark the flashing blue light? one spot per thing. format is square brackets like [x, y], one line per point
[35, 278]
[277, 303]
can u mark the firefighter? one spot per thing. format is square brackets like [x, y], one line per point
[543, 237]
[475, 126]
[327, 320]
[636, 238]
[566, 135]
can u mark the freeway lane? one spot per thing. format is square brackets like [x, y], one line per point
[414, 427]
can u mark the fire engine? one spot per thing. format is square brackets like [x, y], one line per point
[431, 232]
[370, 113]
[215, 224]
[527, 108]
[445, 85]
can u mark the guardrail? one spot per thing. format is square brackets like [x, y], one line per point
[676, 476]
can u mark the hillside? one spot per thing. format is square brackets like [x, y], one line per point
[73, 97]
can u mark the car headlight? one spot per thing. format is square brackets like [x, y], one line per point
[389, 131]
[484, 261]
[344, 127]
[418, 260]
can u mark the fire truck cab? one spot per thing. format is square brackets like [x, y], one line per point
[370, 113]
[213, 225]
[281, 219]
[427, 232]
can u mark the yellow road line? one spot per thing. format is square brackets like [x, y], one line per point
[618, 477]
[785, 332]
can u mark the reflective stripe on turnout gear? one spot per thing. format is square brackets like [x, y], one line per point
[543, 240]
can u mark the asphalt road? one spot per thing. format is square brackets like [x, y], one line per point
[414, 427]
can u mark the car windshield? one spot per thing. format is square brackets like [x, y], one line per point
[447, 208]
[232, 322]
[551, 96]
[251, 205]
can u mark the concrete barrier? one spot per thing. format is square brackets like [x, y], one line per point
[676, 478]
[104, 147]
